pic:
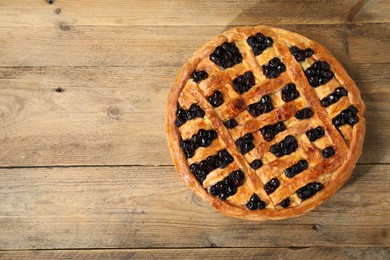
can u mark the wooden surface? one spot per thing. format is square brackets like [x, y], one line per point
[84, 167]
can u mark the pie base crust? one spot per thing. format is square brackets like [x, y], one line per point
[339, 176]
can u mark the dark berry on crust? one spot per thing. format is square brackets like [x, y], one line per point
[183, 115]
[301, 55]
[304, 113]
[319, 73]
[285, 147]
[226, 55]
[285, 203]
[309, 190]
[334, 96]
[199, 75]
[274, 68]
[296, 168]
[261, 107]
[244, 82]
[328, 152]
[270, 131]
[228, 186]
[245, 143]
[231, 123]
[216, 99]
[289, 92]
[347, 116]
[256, 164]
[315, 133]
[271, 186]
[259, 43]
[255, 203]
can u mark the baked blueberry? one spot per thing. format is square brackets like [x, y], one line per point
[256, 164]
[259, 43]
[328, 152]
[274, 68]
[319, 73]
[289, 92]
[271, 186]
[226, 55]
[296, 168]
[315, 133]
[255, 203]
[301, 55]
[309, 190]
[199, 75]
[304, 113]
[245, 143]
[285, 147]
[244, 82]
[270, 131]
[216, 99]
[285, 203]
[347, 116]
[231, 123]
[188, 147]
[261, 107]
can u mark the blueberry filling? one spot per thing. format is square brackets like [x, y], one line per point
[202, 139]
[271, 186]
[226, 55]
[304, 113]
[244, 82]
[334, 96]
[220, 160]
[261, 107]
[270, 131]
[289, 92]
[285, 147]
[328, 152]
[296, 168]
[228, 186]
[315, 133]
[255, 203]
[256, 164]
[231, 123]
[309, 190]
[216, 99]
[347, 116]
[274, 68]
[285, 203]
[199, 75]
[183, 115]
[301, 55]
[245, 143]
[259, 43]
[319, 73]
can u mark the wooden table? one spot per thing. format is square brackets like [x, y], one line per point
[85, 169]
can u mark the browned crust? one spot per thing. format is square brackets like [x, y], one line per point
[339, 177]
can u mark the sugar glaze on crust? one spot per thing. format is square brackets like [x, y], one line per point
[331, 173]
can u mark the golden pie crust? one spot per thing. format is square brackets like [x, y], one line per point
[331, 172]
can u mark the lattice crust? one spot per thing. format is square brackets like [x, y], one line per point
[264, 123]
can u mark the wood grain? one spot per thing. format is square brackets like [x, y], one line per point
[106, 115]
[149, 46]
[84, 83]
[133, 207]
[194, 13]
[207, 253]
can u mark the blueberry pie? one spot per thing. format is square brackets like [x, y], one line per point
[264, 123]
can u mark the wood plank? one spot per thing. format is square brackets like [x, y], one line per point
[149, 207]
[377, 10]
[117, 111]
[206, 253]
[185, 12]
[144, 46]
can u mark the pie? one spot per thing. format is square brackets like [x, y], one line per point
[264, 123]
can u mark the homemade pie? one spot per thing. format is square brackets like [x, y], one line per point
[264, 123]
